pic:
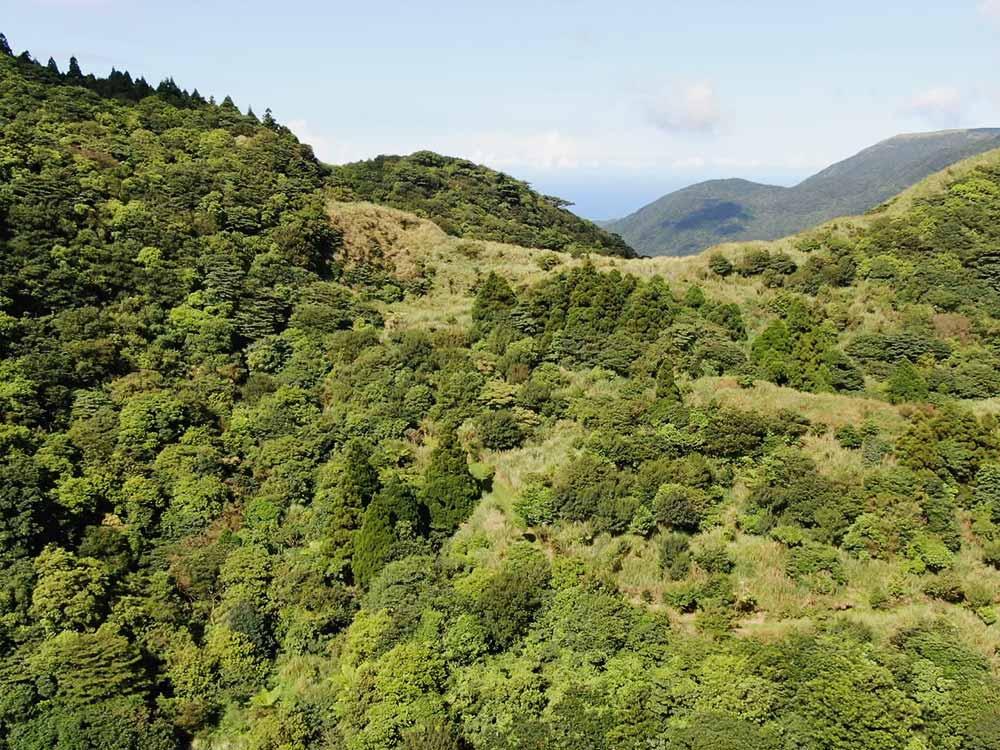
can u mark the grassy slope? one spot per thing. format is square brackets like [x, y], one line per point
[783, 604]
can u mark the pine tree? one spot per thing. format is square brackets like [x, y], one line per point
[906, 383]
[269, 120]
[74, 69]
[494, 301]
[52, 66]
[373, 545]
[666, 386]
[449, 490]
[5, 47]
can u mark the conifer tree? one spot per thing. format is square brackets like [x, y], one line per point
[666, 386]
[74, 69]
[5, 47]
[52, 66]
[450, 490]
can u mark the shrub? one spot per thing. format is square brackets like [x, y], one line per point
[849, 436]
[643, 521]
[946, 587]
[675, 556]
[536, 504]
[813, 560]
[929, 553]
[719, 265]
[714, 558]
[500, 430]
[511, 599]
[790, 536]
[583, 486]
[753, 262]
[991, 553]
[906, 383]
[680, 507]
[987, 490]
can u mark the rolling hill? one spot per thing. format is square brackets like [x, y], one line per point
[699, 216]
[473, 201]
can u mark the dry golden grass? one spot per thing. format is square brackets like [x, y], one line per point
[830, 409]
[407, 242]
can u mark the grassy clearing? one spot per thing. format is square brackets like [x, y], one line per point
[834, 410]
[408, 242]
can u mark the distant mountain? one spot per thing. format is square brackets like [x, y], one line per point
[694, 218]
[469, 200]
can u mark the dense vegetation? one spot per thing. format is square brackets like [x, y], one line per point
[259, 490]
[694, 218]
[469, 200]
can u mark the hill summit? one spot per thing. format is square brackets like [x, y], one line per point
[473, 201]
[696, 217]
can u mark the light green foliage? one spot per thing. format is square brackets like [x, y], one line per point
[536, 504]
[70, 591]
[266, 474]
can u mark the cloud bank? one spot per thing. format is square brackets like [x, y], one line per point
[691, 108]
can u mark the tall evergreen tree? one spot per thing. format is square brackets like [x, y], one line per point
[5, 47]
[52, 66]
[74, 69]
[449, 490]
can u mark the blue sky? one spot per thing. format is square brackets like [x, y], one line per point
[606, 104]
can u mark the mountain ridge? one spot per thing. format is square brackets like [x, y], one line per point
[696, 217]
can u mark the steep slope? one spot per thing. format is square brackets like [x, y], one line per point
[469, 200]
[689, 220]
[282, 471]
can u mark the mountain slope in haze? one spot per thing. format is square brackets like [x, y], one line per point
[691, 219]
[472, 201]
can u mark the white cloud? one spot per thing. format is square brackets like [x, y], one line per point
[326, 147]
[942, 106]
[558, 151]
[990, 8]
[692, 108]
[550, 149]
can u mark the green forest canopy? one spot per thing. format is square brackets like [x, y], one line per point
[246, 500]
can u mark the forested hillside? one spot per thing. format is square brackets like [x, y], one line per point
[284, 470]
[694, 218]
[468, 200]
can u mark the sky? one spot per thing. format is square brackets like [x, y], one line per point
[607, 104]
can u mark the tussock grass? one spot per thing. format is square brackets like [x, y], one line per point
[831, 409]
